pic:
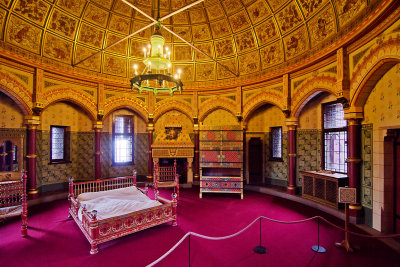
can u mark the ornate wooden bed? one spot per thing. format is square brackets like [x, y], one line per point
[13, 201]
[98, 231]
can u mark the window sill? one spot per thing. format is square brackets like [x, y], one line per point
[115, 164]
[276, 159]
[60, 162]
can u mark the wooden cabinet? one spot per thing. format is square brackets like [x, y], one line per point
[323, 187]
[221, 160]
[221, 180]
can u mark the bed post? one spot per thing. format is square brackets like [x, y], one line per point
[177, 184]
[155, 178]
[94, 232]
[134, 177]
[174, 208]
[71, 193]
[24, 214]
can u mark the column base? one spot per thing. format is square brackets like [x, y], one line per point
[356, 213]
[291, 190]
[149, 179]
[33, 193]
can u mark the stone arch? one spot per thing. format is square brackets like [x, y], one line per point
[377, 62]
[310, 88]
[216, 103]
[306, 98]
[259, 100]
[168, 105]
[132, 103]
[73, 96]
[18, 92]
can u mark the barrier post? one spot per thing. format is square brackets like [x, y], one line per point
[260, 249]
[318, 248]
[189, 250]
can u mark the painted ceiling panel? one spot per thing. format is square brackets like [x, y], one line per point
[245, 35]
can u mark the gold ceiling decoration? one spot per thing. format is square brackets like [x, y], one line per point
[245, 36]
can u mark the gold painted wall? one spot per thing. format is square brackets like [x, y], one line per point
[383, 105]
[65, 114]
[10, 114]
[265, 117]
[220, 117]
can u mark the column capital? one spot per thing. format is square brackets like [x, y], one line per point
[354, 113]
[32, 120]
[292, 122]
[150, 127]
[98, 125]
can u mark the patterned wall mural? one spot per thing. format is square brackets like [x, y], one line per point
[73, 117]
[259, 34]
[10, 114]
[382, 108]
[265, 117]
[220, 117]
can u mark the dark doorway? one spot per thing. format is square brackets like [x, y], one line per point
[255, 160]
[181, 167]
[396, 179]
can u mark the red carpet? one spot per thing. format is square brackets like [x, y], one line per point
[55, 240]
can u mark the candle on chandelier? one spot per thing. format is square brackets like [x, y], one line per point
[135, 68]
[144, 51]
[169, 68]
[150, 66]
[179, 73]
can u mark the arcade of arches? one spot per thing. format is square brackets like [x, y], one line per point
[285, 75]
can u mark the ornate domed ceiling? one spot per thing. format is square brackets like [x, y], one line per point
[247, 36]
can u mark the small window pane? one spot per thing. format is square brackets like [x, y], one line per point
[276, 135]
[123, 148]
[336, 151]
[57, 143]
[334, 116]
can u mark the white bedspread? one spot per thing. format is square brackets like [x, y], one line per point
[116, 202]
[126, 191]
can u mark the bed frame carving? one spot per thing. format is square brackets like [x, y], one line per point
[100, 231]
[13, 194]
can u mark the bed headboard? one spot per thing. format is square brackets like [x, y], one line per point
[76, 189]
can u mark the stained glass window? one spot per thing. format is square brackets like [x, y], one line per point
[335, 138]
[276, 143]
[123, 139]
[57, 135]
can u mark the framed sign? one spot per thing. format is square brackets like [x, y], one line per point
[347, 195]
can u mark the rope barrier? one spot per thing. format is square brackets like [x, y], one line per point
[268, 219]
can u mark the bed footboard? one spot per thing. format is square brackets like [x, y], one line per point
[100, 231]
[13, 194]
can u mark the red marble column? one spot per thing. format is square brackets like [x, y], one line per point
[196, 153]
[150, 130]
[291, 189]
[354, 161]
[97, 153]
[31, 162]
[244, 154]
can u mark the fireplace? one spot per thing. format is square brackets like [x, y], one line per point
[175, 144]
